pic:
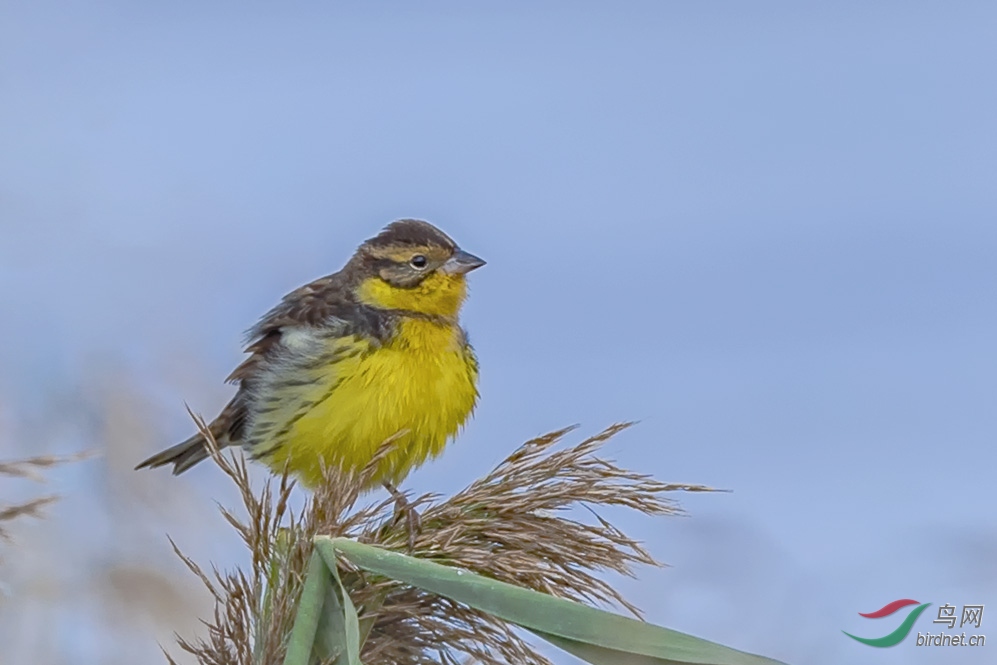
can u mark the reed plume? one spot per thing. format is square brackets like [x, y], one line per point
[515, 525]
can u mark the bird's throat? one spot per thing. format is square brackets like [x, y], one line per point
[439, 295]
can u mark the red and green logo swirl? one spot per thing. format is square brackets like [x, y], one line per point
[898, 635]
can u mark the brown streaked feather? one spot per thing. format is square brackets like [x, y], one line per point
[309, 305]
[257, 351]
[319, 304]
[193, 450]
[306, 305]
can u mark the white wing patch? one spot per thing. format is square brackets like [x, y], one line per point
[286, 386]
[299, 339]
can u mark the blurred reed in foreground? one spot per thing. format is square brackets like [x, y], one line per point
[30, 468]
[510, 525]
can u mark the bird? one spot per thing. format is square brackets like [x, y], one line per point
[372, 353]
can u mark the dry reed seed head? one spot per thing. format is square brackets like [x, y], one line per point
[32, 508]
[508, 525]
[30, 469]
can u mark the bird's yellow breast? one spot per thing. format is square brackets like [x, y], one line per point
[422, 381]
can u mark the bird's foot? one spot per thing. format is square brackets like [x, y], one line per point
[405, 510]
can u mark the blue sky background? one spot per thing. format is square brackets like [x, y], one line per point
[765, 230]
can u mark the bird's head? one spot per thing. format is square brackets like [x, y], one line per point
[412, 265]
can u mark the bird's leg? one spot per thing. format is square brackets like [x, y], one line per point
[403, 507]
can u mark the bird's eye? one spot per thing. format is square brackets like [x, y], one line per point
[418, 261]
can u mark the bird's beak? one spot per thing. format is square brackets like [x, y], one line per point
[461, 263]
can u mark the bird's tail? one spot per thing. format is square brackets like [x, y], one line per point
[195, 449]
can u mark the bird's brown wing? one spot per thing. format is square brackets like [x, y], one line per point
[326, 303]
[310, 305]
